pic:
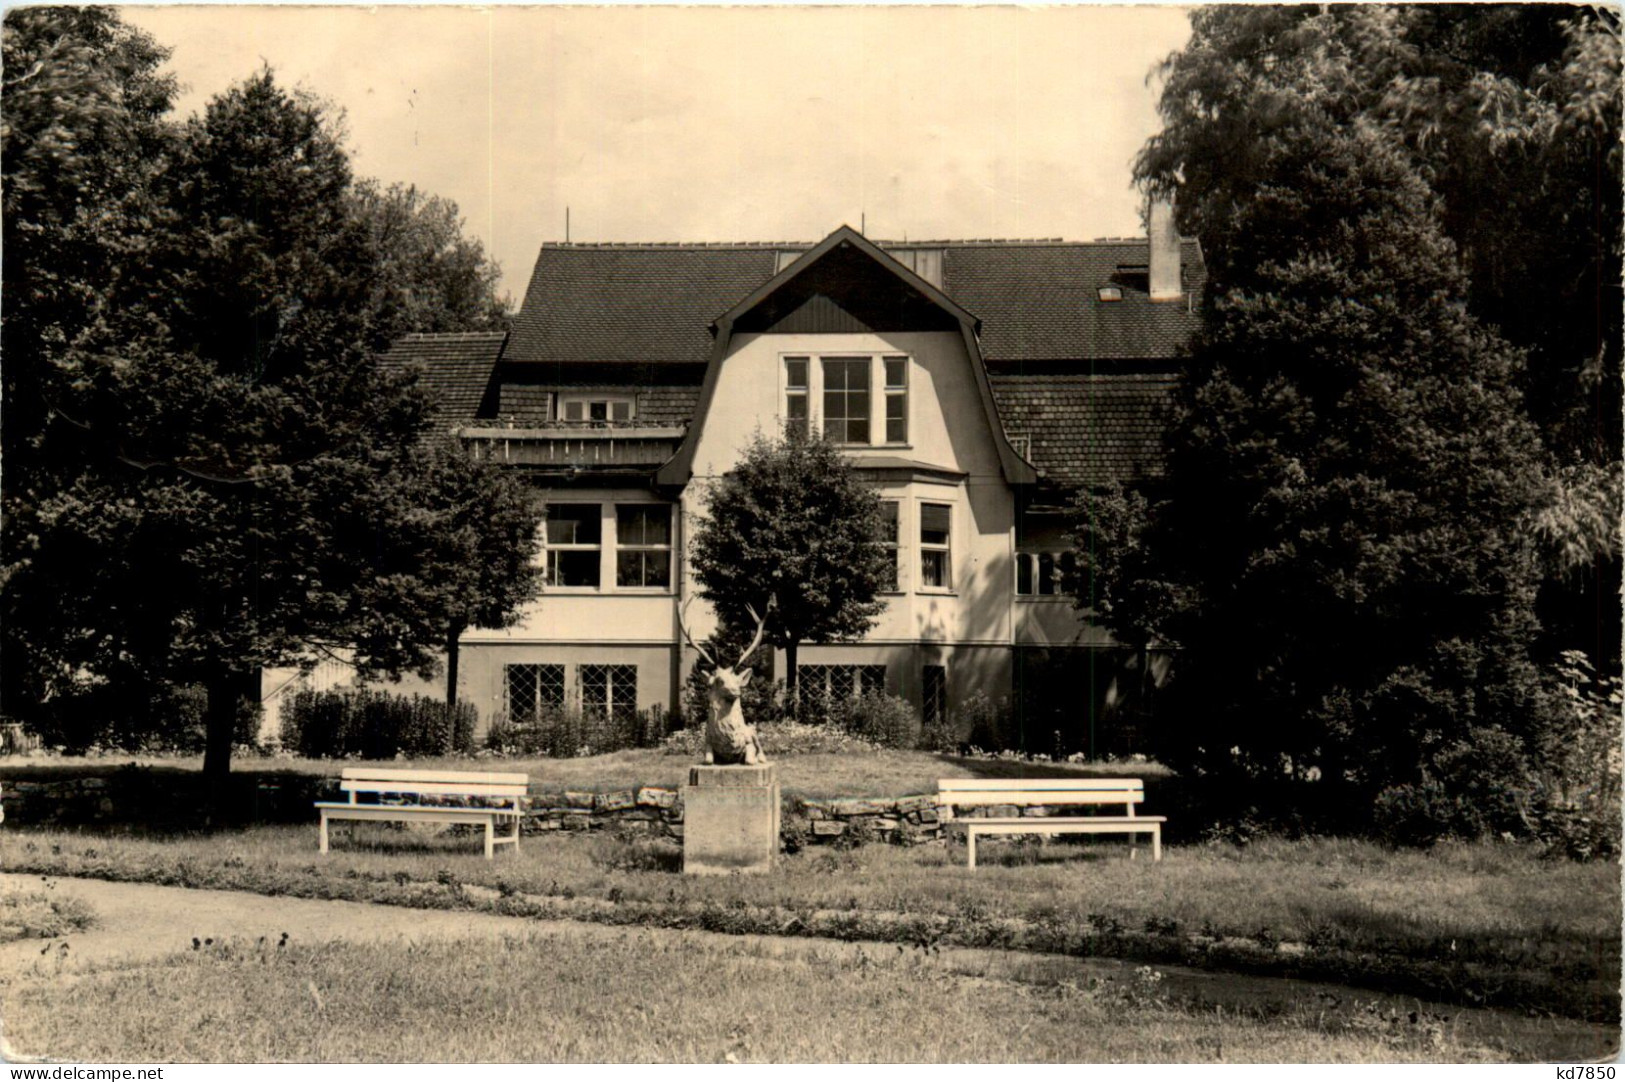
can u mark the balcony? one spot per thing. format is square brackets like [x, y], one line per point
[591, 447]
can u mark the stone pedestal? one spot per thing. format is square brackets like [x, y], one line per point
[730, 819]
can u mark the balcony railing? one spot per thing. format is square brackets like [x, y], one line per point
[595, 446]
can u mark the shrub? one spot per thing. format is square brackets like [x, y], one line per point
[1418, 814]
[1488, 773]
[990, 725]
[1577, 774]
[135, 715]
[940, 735]
[374, 725]
[887, 720]
[559, 732]
[779, 740]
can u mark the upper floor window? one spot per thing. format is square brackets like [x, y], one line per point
[643, 545]
[574, 544]
[896, 399]
[852, 399]
[888, 541]
[936, 546]
[846, 399]
[596, 407]
[795, 392]
[1044, 574]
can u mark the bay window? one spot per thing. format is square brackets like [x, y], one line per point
[936, 546]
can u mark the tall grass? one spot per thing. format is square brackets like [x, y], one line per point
[41, 914]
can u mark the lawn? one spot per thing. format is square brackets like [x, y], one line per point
[640, 996]
[871, 773]
[1481, 923]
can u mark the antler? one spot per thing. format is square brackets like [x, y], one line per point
[683, 627]
[761, 628]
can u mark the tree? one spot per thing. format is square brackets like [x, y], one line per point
[81, 134]
[1337, 547]
[477, 564]
[1510, 116]
[792, 521]
[430, 277]
[248, 490]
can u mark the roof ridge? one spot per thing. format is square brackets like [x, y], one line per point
[450, 334]
[772, 245]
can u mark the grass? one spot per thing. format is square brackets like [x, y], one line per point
[40, 914]
[1471, 923]
[872, 774]
[645, 997]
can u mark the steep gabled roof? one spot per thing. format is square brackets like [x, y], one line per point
[455, 368]
[1034, 300]
[844, 241]
[631, 304]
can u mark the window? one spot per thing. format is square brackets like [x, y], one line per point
[936, 562]
[1044, 574]
[609, 691]
[851, 399]
[888, 534]
[934, 696]
[586, 408]
[643, 545]
[896, 399]
[795, 393]
[846, 399]
[838, 683]
[574, 541]
[532, 688]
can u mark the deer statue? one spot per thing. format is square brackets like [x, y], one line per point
[728, 740]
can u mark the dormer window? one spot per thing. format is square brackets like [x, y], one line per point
[853, 399]
[1111, 293]
[603, 408]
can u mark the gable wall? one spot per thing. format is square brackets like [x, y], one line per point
[948, 430]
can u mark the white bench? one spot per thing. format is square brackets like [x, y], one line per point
[413, 795]
[1037, 792]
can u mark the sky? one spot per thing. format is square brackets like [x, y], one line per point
[685, 123]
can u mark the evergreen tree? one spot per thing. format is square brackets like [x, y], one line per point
[1510, 116]
[1341, 546]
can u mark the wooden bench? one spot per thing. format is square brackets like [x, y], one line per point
[1038, 792]
[416, 795]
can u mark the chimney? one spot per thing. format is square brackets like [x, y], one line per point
[1166, 283]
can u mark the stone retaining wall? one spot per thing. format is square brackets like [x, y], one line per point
[653, 810]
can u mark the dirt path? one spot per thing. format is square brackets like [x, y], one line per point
[138, 923]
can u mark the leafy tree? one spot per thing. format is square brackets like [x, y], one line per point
[430, 277]
[1510, 116]
[249, 488]
[1339, 545]
[80, 137]
[476, 564]
[792, 522]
